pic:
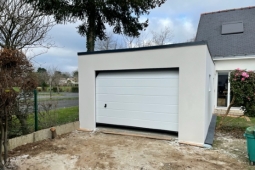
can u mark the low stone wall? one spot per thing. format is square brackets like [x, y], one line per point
[42, 134]
[234, 112]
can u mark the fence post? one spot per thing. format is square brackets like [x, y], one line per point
[36, 109]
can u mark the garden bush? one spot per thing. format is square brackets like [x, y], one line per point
[55, 89]
[75, 89]
[243, 90]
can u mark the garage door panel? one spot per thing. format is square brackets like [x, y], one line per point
[146, 99]
[156, 108]
[162, 82]
[154, 91]
[127, 114]
[139, 123]
[172, 100]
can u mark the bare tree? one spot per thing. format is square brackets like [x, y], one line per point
[130, 41]
[162, 37]
[110, 43]
[192, 39]
[22, 26]
[54, 77]
[135, 42]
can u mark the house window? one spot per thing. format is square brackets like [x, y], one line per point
[232, 28]
[222, 93]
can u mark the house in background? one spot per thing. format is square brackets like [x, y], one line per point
[71, 81]
[173, 87]
[230, 36]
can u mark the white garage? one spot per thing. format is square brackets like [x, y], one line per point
[162, 87]
[147, 98]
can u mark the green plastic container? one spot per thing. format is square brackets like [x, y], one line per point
[250, 137]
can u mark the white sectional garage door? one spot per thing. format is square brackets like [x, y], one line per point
[147, 99]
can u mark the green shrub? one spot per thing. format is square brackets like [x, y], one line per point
[54, 89]
[44, 86]
[243, 89]
[75, 89]
[68, 89]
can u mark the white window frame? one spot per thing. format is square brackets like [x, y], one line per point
[216, 89]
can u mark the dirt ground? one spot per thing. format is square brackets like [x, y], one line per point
[93, 151]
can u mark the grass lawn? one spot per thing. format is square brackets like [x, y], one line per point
[48, 94]
[57, 99]
[67, 115]
[64, 115]
[235, 126]
[63, 88]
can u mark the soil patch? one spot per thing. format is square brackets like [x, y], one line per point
[82, 150]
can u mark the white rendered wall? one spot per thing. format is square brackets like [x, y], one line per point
[191, 61]
[231, 64]
[209, 90]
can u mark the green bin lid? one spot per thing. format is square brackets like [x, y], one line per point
[250, 130]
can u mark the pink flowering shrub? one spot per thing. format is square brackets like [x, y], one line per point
[243, 90]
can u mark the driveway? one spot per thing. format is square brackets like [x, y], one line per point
[85, 150]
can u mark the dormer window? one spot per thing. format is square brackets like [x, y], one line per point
[232, 28]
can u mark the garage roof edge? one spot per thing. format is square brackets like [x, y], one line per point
[146, 48]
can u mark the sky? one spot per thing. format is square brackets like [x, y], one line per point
[181, 16]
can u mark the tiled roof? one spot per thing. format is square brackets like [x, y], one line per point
[227, 10]
[209, 29]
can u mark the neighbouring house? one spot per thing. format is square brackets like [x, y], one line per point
[173, 87]
[68, 81]
[230, 36]
[62, 82]
[72, 81]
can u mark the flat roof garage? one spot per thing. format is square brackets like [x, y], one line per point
[163, 87]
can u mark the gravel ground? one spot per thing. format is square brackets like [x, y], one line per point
[84, 151]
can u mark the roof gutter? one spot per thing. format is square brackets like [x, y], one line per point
[234, 58]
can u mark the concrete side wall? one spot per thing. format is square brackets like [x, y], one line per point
[41, 135]
[209, 90]
[191, 61]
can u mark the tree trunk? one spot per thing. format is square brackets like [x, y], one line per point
[1, 144]
[90, 34]
[229, 107]
[5, 139]
[50, 89]
[90, 40]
